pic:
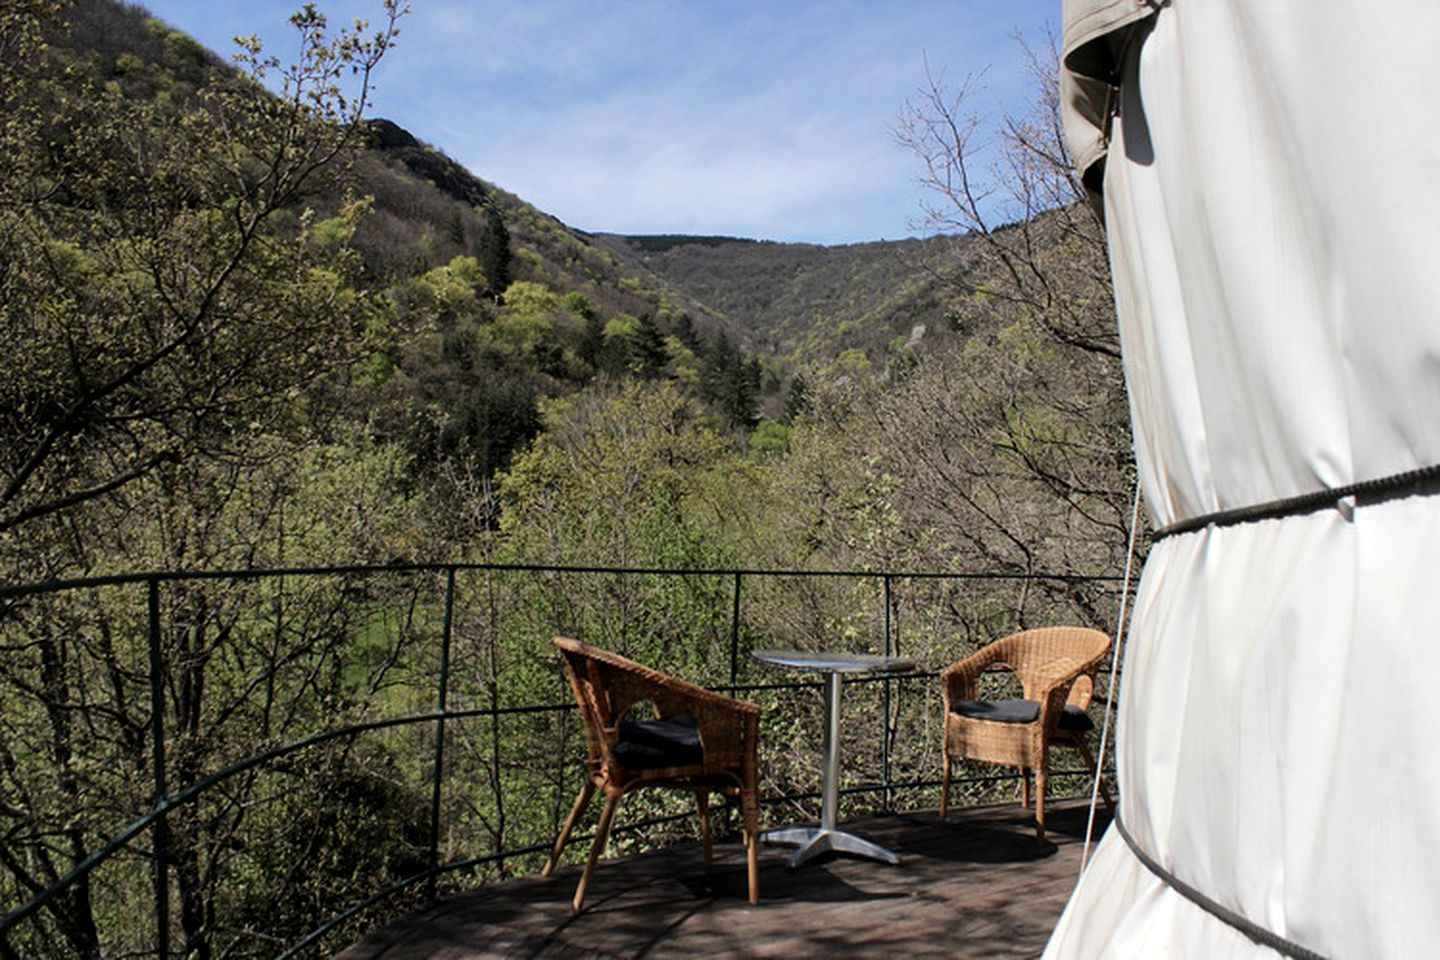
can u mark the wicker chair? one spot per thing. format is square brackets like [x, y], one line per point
[699, 741]
[1055, 666]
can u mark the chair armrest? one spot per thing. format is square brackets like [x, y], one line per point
[720, 718]
[723, 722]
[672, 695]
[1082, 691]
[729, 730]
[961, 680]
[1052, 687]
[608, 686]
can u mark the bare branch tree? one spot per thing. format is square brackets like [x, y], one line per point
[1008, 190]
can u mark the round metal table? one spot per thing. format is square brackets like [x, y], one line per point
[813, 841]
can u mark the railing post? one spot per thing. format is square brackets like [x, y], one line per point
[441, 699]
[161, 832]
[735, 637]
[885, 798]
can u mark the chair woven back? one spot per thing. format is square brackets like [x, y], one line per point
[591, 694]
[1039, 656]
[608, 686]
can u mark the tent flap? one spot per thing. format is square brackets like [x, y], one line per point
[1095, 32]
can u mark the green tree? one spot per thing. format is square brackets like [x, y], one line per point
[797, 397]
[688, 335]
[635, 346]
[769, 439]
[157, 276]
[615, 478]
[464, 387]
[186, 326]
[648, 353]
[494, 245]
[592, 342]
[256, 662]
[731, 381]
[683, 364]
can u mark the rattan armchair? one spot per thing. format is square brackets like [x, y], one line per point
[699, 742]
[1055, 666]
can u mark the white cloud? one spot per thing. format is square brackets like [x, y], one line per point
[767, 118]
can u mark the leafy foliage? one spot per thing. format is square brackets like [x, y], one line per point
[259, 332]
[801, 302]
[163, 287]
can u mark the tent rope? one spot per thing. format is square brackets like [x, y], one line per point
[1405, 483]
[1257, 933]
[1110, 687]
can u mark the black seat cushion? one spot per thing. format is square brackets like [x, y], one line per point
[1020, 711]
[667, 742]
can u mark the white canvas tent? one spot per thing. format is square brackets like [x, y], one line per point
[1271, 183]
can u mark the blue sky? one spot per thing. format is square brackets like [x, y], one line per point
[769, 120]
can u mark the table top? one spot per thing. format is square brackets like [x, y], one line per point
[833, 662]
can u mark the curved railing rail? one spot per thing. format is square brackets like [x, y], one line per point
[166, 802]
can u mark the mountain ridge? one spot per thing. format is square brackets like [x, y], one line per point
[805, 304]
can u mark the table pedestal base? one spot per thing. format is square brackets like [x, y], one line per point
[814, 841]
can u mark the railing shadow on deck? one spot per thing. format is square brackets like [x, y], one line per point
[130, 655]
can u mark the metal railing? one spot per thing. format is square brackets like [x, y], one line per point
[160, 663]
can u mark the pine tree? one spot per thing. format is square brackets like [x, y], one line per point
[797, 398]
[731, 381]
[715, 370]
[687, 334]
[494, 252]
[648, 353]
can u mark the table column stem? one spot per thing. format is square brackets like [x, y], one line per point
[830, 784]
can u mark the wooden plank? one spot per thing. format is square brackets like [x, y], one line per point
[979, 885]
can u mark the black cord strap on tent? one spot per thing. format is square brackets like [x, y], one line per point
[1395, 484]
[1257, 933]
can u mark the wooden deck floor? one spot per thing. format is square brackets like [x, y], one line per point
[977, 886]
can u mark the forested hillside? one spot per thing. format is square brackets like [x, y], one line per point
[350, 285]
[802, 303]
[451, 309]
[248, 327]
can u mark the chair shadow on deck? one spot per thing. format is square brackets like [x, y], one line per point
[978, 885]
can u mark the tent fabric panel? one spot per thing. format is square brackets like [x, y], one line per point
[1271, 754]
[1084, 116]
[1273, 224]
[1090, 30]
[1283, 261]
[1131, 913]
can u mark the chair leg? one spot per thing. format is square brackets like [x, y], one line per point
[581, 802]
[1095, 772]
[751, 811]
[1025, 787]
[602, 833]
[702, 804]
[945, 788]
[1042, 774]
